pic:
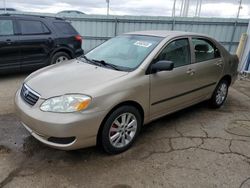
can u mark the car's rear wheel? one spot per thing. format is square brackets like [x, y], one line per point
[59, 57]
[121, 129]
[220, 94]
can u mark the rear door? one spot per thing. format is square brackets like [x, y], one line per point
[208, 64]
[9, 48]
[68, 37]
[172, 90]
[36, 43]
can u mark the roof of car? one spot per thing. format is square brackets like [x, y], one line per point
[30, 16]
[164, 33]
[8, 9]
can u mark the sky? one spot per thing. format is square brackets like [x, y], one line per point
[210, 8]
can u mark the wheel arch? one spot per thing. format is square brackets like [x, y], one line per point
[63, 49]
[228, 78]
[125, 103]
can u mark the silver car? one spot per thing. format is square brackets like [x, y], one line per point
[107, 95]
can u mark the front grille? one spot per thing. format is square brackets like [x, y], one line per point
[28, 95]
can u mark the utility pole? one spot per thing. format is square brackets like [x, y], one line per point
[107, 7]
[198, 8]
[4, 4]
[173, 10]
[199, 12]
[235, 24]
[186, 8]
[240, 7]
[182, 4]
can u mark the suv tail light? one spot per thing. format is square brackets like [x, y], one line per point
[78, 38]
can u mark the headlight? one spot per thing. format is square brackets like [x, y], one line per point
[66, 103]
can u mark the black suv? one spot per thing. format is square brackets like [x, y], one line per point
[30, 42]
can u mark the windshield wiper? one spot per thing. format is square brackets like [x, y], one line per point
[104, 63]
[89, 60]
[100, 63]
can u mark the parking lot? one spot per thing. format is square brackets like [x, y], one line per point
[196, 147]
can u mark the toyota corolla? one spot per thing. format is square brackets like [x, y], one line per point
[106, 96]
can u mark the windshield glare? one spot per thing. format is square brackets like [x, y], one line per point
[126, 51]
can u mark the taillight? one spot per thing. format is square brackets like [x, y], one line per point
[78, 38]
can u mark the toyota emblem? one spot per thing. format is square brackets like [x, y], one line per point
[26, 93]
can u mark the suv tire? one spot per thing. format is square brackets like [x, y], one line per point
[59, 57]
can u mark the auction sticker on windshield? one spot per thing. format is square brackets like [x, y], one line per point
[144, 44]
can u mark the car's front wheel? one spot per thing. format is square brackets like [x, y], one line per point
[220, 94]
[121, 129]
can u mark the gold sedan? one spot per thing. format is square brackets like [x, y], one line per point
[107, 95]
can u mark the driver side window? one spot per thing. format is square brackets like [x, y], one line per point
[178, 52]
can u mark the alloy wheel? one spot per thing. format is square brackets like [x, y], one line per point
[221, 93]
[123, 130]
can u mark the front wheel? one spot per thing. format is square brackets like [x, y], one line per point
[220, 94]
[121, 129]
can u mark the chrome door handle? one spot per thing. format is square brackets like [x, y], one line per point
[190, 71]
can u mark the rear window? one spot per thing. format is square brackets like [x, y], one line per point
[204, 50]
[29, 27]
[65, 28]
[6, 27]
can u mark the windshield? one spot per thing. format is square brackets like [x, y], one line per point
[126, 51]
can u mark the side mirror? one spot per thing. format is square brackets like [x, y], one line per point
[162, 66]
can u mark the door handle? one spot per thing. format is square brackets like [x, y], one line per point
[8, 41]
[50, 40]
[219, 63]
[190, 71]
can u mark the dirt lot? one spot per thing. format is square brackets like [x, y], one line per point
[197, 147]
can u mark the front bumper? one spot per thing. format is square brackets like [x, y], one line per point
[83, 127]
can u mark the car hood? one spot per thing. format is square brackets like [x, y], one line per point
[70, 77]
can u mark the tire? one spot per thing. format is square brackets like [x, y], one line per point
[59, 57]
[220, 94]
[117, 136]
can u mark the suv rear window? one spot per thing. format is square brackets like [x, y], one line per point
[6, 27]
[65, 28]
[29, 27]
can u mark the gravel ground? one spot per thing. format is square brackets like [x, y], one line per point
[196, 147]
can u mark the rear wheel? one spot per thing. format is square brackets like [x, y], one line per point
[59, 57]
[220, 94]
[121, 129]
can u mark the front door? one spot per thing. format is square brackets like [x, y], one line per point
[170, 90]
[9, 47]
